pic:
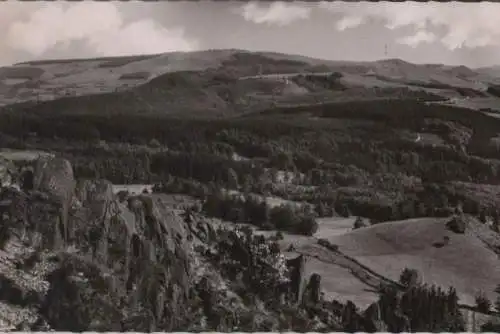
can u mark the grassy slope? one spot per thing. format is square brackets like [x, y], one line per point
[465, 263]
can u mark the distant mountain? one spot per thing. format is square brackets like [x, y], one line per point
[228, 82]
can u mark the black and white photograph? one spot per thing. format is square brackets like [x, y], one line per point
[249, 166]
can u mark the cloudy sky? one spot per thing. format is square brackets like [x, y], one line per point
[451, 33]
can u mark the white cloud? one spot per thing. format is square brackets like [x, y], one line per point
[99, 25]
[278, 13]
[141, 37]
[463, 24]
[420, 36]
[349, 22]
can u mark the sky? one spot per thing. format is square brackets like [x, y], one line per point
[450, 33]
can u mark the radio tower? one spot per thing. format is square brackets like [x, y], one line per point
[385, 51]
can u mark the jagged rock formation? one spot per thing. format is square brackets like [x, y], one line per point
[54, 177]
[373, 316]
[312, 291]
[146, 255]
[304, 288]
[81, 259]
[298, 279]
[121, 268]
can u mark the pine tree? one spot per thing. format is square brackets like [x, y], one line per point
[408, 277]
[483, 304]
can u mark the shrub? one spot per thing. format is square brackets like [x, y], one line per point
[457, 224]
[307, 226]
[483, 304]
[490, 326]
[327, 244]
[359, 223]
[408, 277]
[122, 195]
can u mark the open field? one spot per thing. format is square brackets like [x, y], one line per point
[465, 262]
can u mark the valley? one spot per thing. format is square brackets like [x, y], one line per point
[182, 164]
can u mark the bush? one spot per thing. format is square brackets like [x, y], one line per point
[327, 244]
[457, 224]
[483, 304]
[307, 226]
[343, 211]
[408, 277]
[122, 195]
[359, 223]
[490, 326]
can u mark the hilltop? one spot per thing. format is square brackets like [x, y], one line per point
[228, 82]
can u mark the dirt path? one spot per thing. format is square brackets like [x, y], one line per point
[361, 272]
[369, 277]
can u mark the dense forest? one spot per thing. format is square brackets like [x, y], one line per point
[357, 158]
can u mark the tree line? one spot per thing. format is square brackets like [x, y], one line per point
[355, 161]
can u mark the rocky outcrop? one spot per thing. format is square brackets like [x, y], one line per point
[312, 291]
[145, 250]
[129, 264]
[8, 173]
[298, 281]
[123, 267]
[304, 288]
[53, 176]
[373, 318]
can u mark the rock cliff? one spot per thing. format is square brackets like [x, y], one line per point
[76, 257]
[133, 257]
